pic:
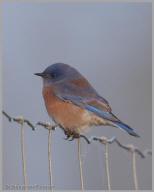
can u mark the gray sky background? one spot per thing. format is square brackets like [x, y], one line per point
[111, 45]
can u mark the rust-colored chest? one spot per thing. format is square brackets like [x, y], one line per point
[64, 113]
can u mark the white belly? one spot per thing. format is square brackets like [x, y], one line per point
[91, 120]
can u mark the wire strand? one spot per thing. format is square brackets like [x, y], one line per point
[23, 154]
[80, 165]
[50, 160]
[107, 166]
[134, 169]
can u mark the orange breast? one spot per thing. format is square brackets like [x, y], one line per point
[68, 115]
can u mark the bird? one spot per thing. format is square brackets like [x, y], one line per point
[73, 104]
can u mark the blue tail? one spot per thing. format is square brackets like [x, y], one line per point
[126, 128]
[112, 118]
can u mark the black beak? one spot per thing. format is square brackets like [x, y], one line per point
[40, 74]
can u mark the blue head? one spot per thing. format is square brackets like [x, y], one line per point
[58, 72]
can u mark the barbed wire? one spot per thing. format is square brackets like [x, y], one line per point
[102, 140]
[19, 120]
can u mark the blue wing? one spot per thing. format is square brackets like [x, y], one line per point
[85, 97]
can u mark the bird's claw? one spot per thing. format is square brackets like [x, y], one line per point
[72, 135]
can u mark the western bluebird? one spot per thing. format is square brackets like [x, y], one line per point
[73, 103]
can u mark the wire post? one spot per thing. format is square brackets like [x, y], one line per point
[50, 158]
[23, 153]
[134, 167]
[80, 164]
[107, 166]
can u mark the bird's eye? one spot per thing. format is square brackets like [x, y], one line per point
[53, 75]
